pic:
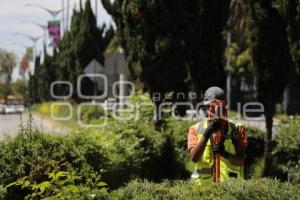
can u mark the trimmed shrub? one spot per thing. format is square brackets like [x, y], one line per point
[233, 189]
[27, 161]
[72, 192]
[286, 152]
[2, 192]
[116, 154]
[90, 113]
[254, 152]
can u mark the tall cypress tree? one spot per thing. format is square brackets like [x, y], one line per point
[291, 11]
[268, 38]
[152, 34]
[83, 43]
[166, 40]
[205, 42]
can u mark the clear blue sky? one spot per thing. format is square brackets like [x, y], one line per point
[13, 12]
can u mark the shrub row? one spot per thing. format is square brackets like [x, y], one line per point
[267, 189]
[115, 155]
[286, 153]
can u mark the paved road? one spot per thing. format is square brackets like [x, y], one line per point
[11, 124]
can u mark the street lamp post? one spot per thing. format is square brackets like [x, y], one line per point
[43, 27]
[228, 81]
[53, 13]
[20, 44]
[33, 40]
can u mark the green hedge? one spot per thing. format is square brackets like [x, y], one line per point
[2, 192]
[234, 189]
[266, 189]
[254, 153]
[286, 153]
[115, 155]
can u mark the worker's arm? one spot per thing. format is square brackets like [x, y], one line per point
[240, 149]
[237, 159]
[198, 150]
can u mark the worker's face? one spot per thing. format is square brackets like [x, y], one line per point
[216, 110]
[206, 109]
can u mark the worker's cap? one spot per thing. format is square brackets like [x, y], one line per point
[213, 93]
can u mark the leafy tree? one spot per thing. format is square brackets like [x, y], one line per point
[205, 42]
[83, 43]
[291, 11]
[154, 41]
[7, 64]
[20, 89]
[33, 86]
[170, 44]
[269, 43]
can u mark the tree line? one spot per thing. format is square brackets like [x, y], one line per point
[180, 46]
[81, 44]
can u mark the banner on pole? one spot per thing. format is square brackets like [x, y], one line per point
[24, 65]
[54, 31]
[29, 53]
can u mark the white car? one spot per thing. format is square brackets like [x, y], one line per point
[10, 109]
[2, 109]
[20, 108]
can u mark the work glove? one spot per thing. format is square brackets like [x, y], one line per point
[212, 126]
[220, 148]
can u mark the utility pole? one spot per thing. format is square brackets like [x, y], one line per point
[96, 10]
[67, 17]
[34, 41]
[53, 13]
[228, 81]
[43, 27]
[63, 16]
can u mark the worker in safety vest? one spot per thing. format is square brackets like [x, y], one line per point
[232, 143]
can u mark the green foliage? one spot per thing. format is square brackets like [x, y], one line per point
[144, 105]
[7, 64]
[290, 9]
[286, 153]
[72, 192]
[59, 183]
[29, 158]
[79, 46]
[118, 153]
[90, 113]
[254, 152]
[183, 42]
[20, 89]
[272, 61]
[240, 63]
[269, 43]
[233, 189]
[2, 192]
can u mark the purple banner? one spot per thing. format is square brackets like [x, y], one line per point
[54, 31]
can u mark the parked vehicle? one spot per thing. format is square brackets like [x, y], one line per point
[11, 109]
[20, 108]
[2, 109]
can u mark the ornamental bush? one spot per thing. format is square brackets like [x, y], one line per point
[267, 189]
[286, 153]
